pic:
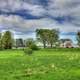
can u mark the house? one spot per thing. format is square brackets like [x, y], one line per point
[66, 43]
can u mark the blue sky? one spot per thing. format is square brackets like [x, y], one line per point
[23, 17]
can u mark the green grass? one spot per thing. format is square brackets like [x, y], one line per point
[48, 64]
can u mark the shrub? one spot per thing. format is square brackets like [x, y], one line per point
[34, 47]
[30, 43]
[28, 51]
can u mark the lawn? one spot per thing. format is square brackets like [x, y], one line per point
[45, 64]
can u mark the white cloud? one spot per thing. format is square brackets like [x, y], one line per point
[55, 8]
[64, 8]
[15, 5]
[18, 23]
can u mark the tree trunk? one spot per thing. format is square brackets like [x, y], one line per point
[44, 45]
[51, 45]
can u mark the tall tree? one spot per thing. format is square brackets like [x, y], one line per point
[0, 41]
[78, 38]
[42, 36]
[47, 36]
[7, 40]
[0, 35]
[53, 36]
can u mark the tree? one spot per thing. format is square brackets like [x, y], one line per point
[0, 35]
[47, 36]
[7, 40]
[78, 38]
[30, 43]
[0, 41]
[42, 36]
[52, 37]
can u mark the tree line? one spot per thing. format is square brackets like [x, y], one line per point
[48, 37]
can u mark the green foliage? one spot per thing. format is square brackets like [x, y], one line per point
[52, 37]
[34, 47]
[0, 44]
[28, 51]
[7, 40]
[47, 36]
[30, 43]
[78, 38]
[0, 41]
[42, 36]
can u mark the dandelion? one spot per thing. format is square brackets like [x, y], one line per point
[53, 66]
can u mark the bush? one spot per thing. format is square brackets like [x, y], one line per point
[30, 43]
[28, 51]
[33, 47]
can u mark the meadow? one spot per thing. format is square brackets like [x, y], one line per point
[44, 64]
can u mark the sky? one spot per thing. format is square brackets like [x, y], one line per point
[23, 17]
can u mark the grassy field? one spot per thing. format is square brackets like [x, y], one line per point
[48, 64]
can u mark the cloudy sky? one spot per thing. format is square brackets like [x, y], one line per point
[23, 17]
